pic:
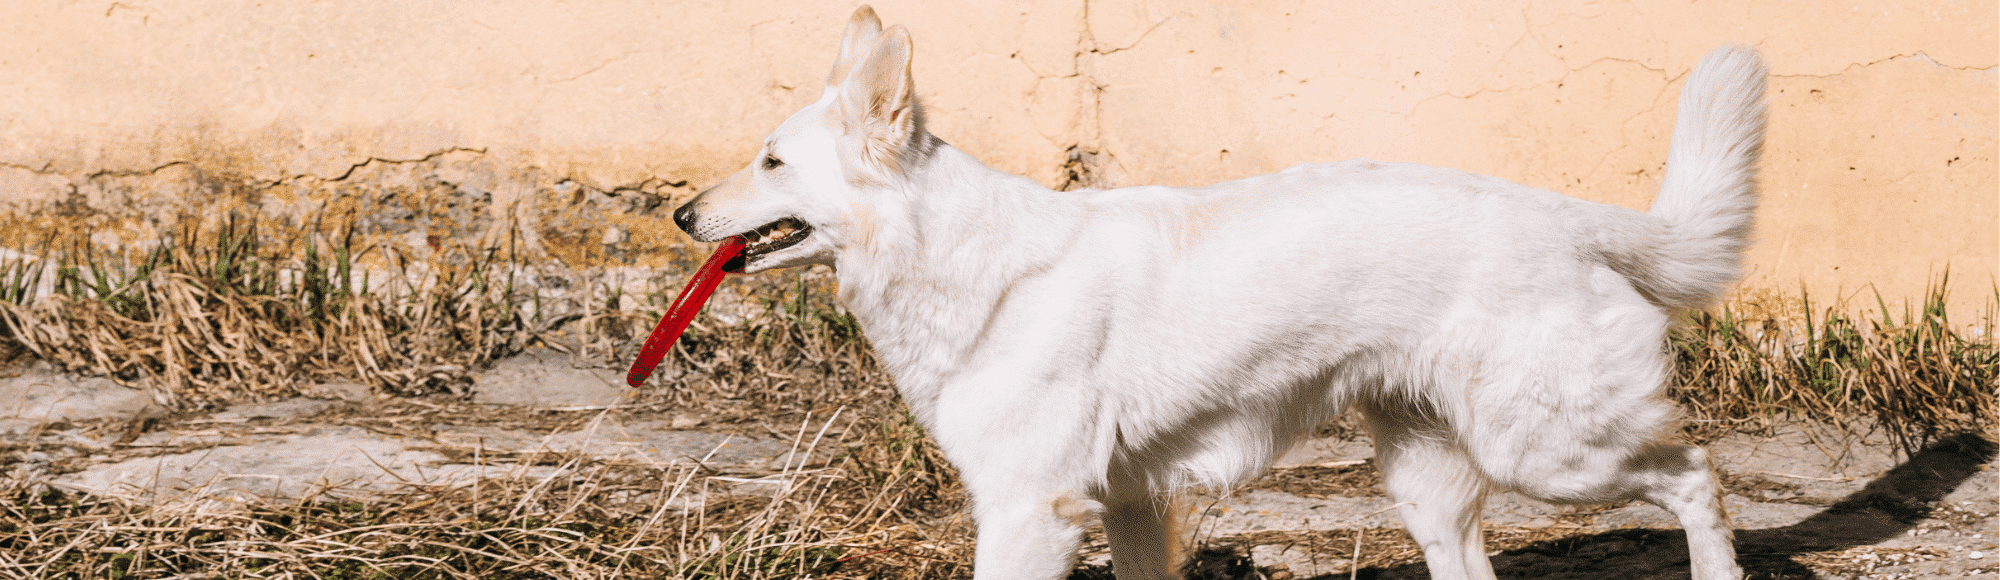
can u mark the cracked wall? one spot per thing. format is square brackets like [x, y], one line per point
[441, 119]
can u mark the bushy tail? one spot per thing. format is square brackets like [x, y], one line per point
[1708, 197]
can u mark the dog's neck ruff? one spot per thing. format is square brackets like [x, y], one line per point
[929, 279]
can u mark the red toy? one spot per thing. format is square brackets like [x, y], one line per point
[682, 312]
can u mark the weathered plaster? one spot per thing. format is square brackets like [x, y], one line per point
[582, 121]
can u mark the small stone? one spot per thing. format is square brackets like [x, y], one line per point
[342, 390]
[543, 378]
[1296, 561]
[1977, 555]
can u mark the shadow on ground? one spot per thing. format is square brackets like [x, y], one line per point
[1884, 509]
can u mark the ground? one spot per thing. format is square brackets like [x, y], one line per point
[1809, 500]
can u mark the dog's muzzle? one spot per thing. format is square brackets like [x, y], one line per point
[684, 217]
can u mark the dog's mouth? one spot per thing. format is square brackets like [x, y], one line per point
[768, 238]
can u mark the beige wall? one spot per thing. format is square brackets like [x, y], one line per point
[588, 119]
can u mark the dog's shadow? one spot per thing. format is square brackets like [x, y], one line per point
[1885, 508]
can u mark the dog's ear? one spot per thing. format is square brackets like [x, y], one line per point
[863, 30]
[877, 107]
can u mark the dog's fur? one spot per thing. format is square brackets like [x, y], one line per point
[1083, 354]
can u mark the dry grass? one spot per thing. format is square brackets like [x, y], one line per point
[589, 519]
[1914, 376]
[222, 312]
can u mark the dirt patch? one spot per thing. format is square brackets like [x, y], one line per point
[1357, 479]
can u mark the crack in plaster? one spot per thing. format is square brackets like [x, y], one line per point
[1567, 71]
[47, 168]
[1135, 42]
[373, 160]
[1091, 110]
[600, 66]
[1624, 134]
[1093, 95]
[646, 185]
[617, 190]
[131, 172]
[1918, 55]
[1669, 80]
[116, 5]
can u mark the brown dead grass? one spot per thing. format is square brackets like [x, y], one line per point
[223, 313]
[1915, 376]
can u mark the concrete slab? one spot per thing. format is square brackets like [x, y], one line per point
[640, 441]
[1261, 510]
[236, 465]
[544, 378]
[341, 390]
[1327, 450]
[288, 467]
[40, 395]
[284, 409]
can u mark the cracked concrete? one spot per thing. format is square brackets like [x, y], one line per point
[298, 448]
[113, 112]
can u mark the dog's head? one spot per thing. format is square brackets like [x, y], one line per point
[812, 188]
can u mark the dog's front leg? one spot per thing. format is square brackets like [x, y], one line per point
[1030, 455]
[1030, 518]
[1028, 534]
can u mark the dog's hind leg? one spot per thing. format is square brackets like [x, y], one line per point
[1679, 479]
[1583, 422]
[1141, 528]
[1436, 487]
[1675, 477]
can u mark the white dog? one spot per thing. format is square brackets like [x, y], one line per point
[1084, 354]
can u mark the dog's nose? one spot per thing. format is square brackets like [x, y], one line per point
[684, 217]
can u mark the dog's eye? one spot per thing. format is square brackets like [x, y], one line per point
[771, 162]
